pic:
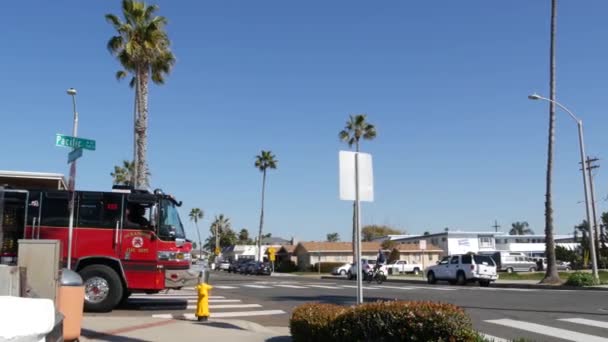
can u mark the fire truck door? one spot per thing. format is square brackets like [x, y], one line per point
[138, 240]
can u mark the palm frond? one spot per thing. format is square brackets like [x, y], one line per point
[112, 19]
[120, 74]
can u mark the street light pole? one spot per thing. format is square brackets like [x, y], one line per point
[72, 181]
[581, 141]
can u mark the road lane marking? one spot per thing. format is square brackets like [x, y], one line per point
[192, 316]
[151, 296]
[396, 287]
[325, 287]
[258, 286]
[224, 287]
[590, 322]
[364, 287]
[229, 306]
[291, 286]
[548, 331]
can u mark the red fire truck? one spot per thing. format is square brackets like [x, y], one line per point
[124, 241]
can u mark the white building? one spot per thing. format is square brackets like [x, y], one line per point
[461, 242]
[238, 252]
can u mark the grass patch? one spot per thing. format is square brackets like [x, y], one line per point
[540, 275]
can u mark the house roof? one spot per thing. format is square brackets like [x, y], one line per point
[314, 246]
[408, 247]
[288, 248]
[274, 240]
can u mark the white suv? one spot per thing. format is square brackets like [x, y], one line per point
[460, 269]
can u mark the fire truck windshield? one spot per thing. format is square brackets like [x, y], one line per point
[170, 224]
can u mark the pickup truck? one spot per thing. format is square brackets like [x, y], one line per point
[402, 266]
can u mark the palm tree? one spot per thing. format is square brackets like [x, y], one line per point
[220, 226]
[123, 175]
[520, 228]
[356, 128]
[333, 237]
[197, 214]
[551, 277]
[143, 49]
[265, 160]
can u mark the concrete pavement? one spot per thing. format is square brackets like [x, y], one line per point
[136, 329]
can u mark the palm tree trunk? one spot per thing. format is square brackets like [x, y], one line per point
[133, 179]
[200, 245]
[355, 252]
[259, 252]
[551, 277]
[142, 128]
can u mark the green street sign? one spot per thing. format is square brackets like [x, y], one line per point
[68, 141]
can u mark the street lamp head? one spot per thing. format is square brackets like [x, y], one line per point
[534, 97]
[71, 91]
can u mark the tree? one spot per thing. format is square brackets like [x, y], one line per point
[394, 256]
[426, 233]
[221, 235]
[356, 128]
[123, 175]
[265, 160]
[197, 214]
[551, 276]
[333, 237]
[371, 232]
[142, 47]
[244, 237]
[388, 244]
[520, 228]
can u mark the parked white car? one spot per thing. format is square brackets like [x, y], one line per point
[460, 269]
[341, 270]
[402, 266]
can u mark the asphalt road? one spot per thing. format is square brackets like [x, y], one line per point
[536, 314]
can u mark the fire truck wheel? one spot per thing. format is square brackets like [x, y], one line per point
[102, 288]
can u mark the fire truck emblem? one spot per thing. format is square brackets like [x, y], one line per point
[138, 242]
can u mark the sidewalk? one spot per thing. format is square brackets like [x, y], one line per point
[140, 329]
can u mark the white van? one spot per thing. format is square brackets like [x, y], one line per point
[514, 262]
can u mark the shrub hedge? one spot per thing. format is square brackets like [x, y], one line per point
[312, 321]
[581, 279]
[382, 321]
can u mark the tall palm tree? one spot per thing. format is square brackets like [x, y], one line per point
[356, 128]
[551, 277]
[123, 175]
[197, 214]
[520, 228]
[143, 49]
[265, 160]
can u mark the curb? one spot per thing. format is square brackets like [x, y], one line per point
[496, 285]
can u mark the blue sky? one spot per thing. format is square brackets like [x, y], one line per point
[445, 82]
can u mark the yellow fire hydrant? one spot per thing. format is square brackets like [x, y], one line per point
[202, 305]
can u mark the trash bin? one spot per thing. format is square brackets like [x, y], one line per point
[71, 303]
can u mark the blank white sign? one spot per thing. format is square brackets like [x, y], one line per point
[347, 176]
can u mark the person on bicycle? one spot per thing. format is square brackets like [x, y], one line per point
[380, 261]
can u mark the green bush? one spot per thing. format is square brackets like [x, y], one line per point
[382, 321]
[311, 322]
[326, 267]
[581, 279]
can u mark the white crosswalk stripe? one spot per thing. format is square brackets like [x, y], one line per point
[325, 287]
[364, 287]
[186, 303]
[560, 333]
[584, 321]
[191, 316]
[291, 286]
[224, 287]
[258, 286]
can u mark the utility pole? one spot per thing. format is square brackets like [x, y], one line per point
[496, 226]
[590, 167]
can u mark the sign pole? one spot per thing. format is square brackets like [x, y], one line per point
[72, 183]
[358, 233]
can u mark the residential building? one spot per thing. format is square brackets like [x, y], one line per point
[462, 242]
[308, 254]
